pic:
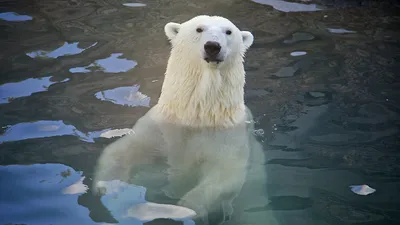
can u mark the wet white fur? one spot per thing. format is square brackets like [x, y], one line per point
[199, 124]
[201, 94]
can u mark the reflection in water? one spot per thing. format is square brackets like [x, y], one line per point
[292, 138]
[127, 203]
[112, 64]
[339, 30]
[14, 17]
[134, 4]
[285, 6]
[284, 203]
[25, 88]
[43, 129]
[33, 194]
[294, 69]
[299, 36]
[65, 50]
[116, 133]
[130, 96]
[76, 188]
[372, 122]
[330, 126]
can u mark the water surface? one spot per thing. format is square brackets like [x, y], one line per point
[322, 82]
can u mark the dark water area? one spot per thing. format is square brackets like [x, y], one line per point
[322, 82]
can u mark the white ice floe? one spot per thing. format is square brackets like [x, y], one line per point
[299, 53]
[362, 189]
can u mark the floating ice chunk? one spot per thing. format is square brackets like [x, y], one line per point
[299, 53]
[340, 30]
[289, 6]
[362, 189]
[134, 4]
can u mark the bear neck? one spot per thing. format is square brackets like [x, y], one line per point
[198, 95]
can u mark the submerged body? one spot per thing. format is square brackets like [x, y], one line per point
[194, 147]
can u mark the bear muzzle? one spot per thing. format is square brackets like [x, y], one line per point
[212, 50]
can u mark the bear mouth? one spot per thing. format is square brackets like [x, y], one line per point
[212, 60]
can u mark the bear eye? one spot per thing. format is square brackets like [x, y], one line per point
[228, 32]
[199, 30]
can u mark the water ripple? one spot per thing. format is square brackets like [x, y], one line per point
[112, 64]
[130, 96]
[43, 129]
[24, 88]
[65, 50]
[35, 195]
[14, 17]
[340, 31]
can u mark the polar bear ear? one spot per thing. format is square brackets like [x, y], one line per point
[248, 38]
[171, 30]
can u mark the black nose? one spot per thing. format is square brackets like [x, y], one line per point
[212, 48]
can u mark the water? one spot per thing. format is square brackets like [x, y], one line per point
[65, 50]
[10, 91]
[130, 96]
[111, 64]
[12, 16]
[329, 119]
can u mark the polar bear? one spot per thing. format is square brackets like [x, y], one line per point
[195, 146]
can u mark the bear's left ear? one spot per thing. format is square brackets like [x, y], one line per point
[171, 30]
[248, 38]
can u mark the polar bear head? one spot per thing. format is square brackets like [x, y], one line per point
[209, 40]
[205, 76]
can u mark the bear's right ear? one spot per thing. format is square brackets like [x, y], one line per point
[248, 39]
[171, 30]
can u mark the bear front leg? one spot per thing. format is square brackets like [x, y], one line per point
[222, 184]
[121, 157]
[227, 208]
[114, 163]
